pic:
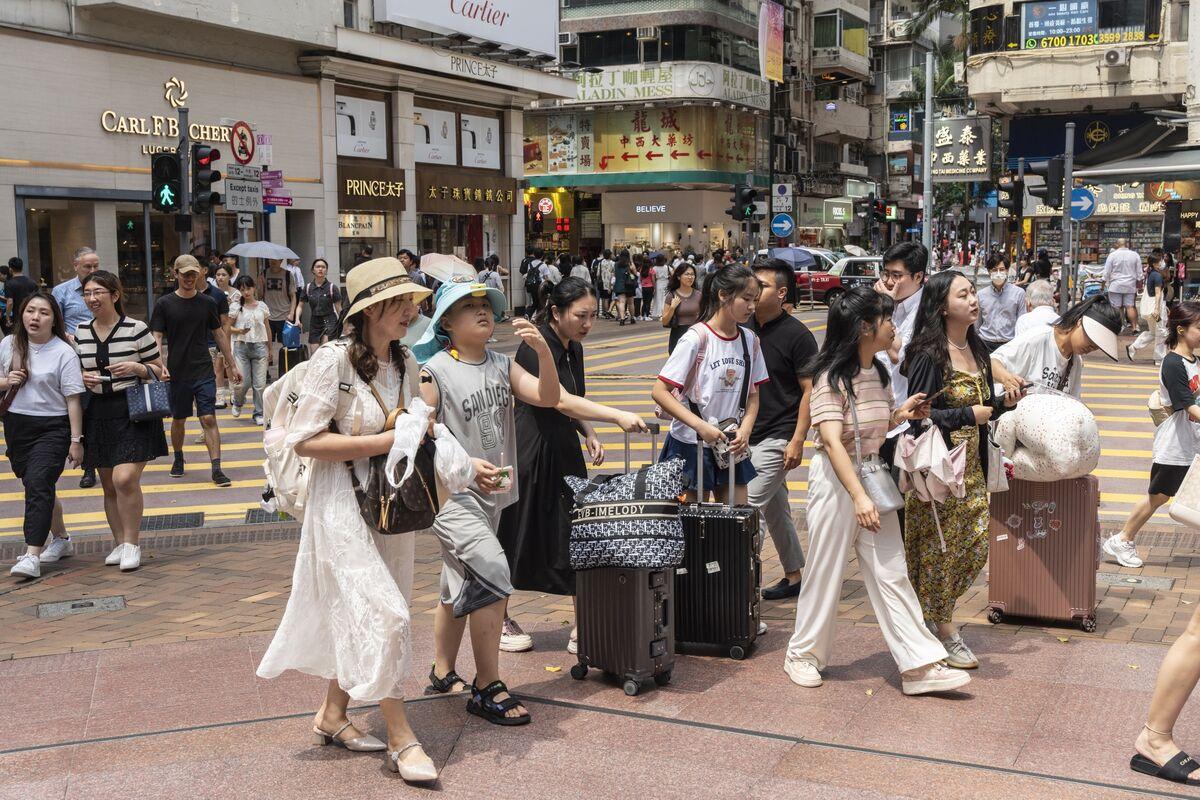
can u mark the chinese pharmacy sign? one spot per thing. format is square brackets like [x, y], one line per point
[644, 140]
[962, 149]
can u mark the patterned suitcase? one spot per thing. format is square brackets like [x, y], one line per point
[624, 618]
[717, 588]
[1044, 551]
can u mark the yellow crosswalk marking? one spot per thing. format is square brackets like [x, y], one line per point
[155, 488]
[238, 508]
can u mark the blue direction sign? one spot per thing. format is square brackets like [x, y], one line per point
[1083, 204]
[782, 225]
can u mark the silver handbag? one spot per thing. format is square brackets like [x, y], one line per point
[875, 475]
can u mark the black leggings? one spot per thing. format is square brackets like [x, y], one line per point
[37, 449]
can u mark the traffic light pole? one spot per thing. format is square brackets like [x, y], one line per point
[1021, 210]
[927, 160]
[185, 172]
[1068, 261]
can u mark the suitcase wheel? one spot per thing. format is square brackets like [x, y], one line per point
[1088, 624]
[632, 687]
[579, 671]
[737, 652]
[663, 678]
[995, 616]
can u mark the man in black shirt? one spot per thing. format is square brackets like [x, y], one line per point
[17, 287]
[777, 441]
[185, 318]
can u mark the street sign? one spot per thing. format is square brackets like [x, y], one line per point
[782, 190]
[241, 141]
[245, 220]
[243, 173]
[272, 178]
[278, 197]
[243, 195]
[262, 146]
[1083, 204]
[782, 225]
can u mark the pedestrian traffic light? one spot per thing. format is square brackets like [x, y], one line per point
[879, 210]
[165, 185]
[742, 202]
[1052, 170]
[1012, 195]
[204, 175]
[562, 224]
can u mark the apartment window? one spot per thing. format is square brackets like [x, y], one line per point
[854, 34]
[826, 152]
[1181, 23]
[608, 48]
[1122, 13]
[825, 30]
[825, 92]
[350, 13]
[650, 52]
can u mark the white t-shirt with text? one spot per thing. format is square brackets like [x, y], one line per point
[718, 383]
[1035, 357]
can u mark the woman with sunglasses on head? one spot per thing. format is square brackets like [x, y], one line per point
[118, 353]
[44, 424]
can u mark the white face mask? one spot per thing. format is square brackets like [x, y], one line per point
[999, 279]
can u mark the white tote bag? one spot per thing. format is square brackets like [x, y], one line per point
[1185, 507]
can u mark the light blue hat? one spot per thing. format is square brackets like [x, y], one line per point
[435, 339]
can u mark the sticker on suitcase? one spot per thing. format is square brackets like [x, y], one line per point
[1043, 521]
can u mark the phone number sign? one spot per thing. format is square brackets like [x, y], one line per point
[1062, 23]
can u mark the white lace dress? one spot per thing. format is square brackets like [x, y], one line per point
[347, 616]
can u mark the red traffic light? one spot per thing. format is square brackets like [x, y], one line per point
[206, 155]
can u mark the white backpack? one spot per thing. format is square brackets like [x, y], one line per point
[287, 473]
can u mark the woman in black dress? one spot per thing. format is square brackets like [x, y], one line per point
[118, 352]
[535, 530]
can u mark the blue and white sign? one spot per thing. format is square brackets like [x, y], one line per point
[1083, 204]
[782, 225]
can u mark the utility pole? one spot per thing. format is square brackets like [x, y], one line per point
[1192, 99]
[185, 181]
[1068, 262]
[1021, 205]
[927, 159]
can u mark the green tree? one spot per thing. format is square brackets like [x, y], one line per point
[931, 10]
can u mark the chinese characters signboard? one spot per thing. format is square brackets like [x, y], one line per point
[1112, 200]
[455, 192]
[671, 79]
[645, 140]
[770, 41]
[962, 149]
[1073, 23]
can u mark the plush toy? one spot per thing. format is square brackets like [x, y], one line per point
[1049, 437]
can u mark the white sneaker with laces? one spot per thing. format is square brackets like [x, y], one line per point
[132, 557]
[513, 639]
[59, 547]
[932, 678]
[236, 411]
[1122, 551]
[802, 671]
[114, 558]
[958, 655]
[27, 566]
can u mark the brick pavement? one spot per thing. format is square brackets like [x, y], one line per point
[239, 586]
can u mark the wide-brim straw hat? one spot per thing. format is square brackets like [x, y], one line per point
[377, 280]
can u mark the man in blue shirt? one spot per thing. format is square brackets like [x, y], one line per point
[69, 295]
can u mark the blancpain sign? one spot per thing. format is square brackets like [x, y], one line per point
[523, 24]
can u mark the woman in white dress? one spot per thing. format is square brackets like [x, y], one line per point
[662, 274]
[347, 618]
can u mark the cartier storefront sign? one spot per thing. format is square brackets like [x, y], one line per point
[465, 192]
[370, 188]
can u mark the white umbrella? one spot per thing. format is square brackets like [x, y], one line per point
[261, 250]
[855, 250]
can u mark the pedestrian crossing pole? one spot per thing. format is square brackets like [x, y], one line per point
[1068, 261]
[185, 183]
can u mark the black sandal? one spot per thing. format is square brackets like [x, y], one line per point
[445, 685]
[483, 704]
[1177, 769]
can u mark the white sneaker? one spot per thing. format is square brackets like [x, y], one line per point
[258, 419]
[236, 411]
[513, 639]
[573, 646]
[1123, 552]
[762, 627]
[27, 566]
[114, 558]
[59, 547]
[933, 678]
[132, 558]
[958, 655]
[802, 672]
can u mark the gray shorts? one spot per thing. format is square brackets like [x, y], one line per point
[1121, 299]
[474, 568]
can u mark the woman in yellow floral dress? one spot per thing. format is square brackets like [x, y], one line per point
[947, 360]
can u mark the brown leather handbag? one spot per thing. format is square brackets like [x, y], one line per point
[10, 393]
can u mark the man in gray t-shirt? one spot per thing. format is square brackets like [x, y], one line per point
[278, 290]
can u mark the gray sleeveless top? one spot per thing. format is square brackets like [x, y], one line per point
[475, 403]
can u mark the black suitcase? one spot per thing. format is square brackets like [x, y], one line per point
[625, 619]
[290, 358]
[717, 587]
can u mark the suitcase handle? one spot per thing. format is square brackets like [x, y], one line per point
[700, 475]
[654, 429]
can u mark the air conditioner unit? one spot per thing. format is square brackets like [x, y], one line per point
[566, 39]
[780, 157]
[780, 126]
[793, 140]
[1115, 57]
[647, 34]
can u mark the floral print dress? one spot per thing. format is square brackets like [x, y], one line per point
[940, 578]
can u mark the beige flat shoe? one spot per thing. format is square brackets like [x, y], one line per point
[363, 744]
[424, 771]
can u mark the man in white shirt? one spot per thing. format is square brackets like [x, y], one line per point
[1000, 305]
[903, 279]
[1122, 271]
[1039, 304]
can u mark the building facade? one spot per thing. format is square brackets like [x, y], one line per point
[369, 128]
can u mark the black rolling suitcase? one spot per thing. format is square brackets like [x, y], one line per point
[717, 588]
[290, 357]
[624, 619]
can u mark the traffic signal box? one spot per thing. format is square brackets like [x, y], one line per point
[166, 184]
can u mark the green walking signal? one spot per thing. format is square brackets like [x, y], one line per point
[165, 182]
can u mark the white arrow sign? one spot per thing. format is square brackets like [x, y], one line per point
[1084, 204]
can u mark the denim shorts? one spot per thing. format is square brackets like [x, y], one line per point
[200, 393]
[743, 471]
